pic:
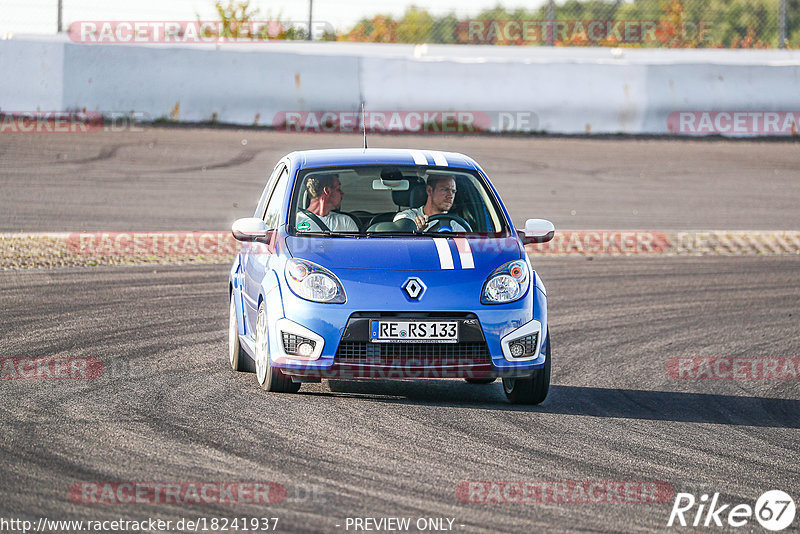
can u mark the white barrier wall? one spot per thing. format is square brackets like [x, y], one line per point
[563, 97]
[240, 87]
[33, 75]
[559, 90]
[714, 86]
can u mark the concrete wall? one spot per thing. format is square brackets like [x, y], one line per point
[236, 85]
[563, 90]
[33, 75]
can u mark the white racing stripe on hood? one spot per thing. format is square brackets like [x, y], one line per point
[445, 256]
[438, 159]
[419, 157]
[465, 254]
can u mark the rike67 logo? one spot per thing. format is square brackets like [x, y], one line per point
[774, 510]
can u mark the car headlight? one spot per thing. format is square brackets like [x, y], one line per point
[311, 282]
[507, 283]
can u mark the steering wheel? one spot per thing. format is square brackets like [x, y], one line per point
[441, 217]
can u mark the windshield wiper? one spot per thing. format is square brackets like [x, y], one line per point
[314, 233]
[329, 233]
[390, 234]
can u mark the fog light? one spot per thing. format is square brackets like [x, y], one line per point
[295, 345]
[305, 349]
[524, 346]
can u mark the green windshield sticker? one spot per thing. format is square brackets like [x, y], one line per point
[304, 226]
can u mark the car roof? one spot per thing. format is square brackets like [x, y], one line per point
[379, 156]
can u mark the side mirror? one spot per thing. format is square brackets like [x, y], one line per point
[249, 229]
[537, 231]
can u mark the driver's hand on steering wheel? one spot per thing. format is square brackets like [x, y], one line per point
[421, 222]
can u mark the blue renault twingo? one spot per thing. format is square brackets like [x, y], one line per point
[387, 263]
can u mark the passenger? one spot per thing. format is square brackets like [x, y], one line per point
[326, 195]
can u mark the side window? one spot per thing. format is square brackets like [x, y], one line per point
[262, 202]
[273, 213]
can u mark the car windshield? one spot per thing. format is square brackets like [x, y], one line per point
[393, 200]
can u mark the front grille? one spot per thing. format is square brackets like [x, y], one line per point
[412, 354]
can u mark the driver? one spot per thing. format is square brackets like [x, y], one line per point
[441, 189]
[326, 195]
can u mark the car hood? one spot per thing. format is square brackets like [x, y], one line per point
[406, 254]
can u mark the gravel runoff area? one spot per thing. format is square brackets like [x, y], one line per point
[26, 251]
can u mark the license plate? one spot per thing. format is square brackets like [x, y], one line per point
[414, 331]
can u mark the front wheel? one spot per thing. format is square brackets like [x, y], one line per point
[238, 358]
[269, 378]
[533, 389]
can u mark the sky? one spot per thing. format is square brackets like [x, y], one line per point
[40, 16]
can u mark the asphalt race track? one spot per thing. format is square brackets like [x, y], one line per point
[204, 179]
[167, 408]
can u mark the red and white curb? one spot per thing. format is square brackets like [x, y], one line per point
[45, 249]
[693, 243]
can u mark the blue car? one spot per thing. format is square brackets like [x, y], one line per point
[387, 263]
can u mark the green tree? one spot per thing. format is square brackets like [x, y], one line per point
[236, 17]
[445, 29]
[680, 23]
[416, 26]
[378, 29]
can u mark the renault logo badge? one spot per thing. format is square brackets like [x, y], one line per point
[414, 288]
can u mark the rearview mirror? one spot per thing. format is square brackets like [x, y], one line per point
[249, 229]
[390, 185]
[537, 231]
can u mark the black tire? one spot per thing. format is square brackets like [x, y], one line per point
[480, 380]
[269, 378]
[237, 357]
[533, 389]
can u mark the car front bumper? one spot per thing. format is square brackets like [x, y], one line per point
[343, 348]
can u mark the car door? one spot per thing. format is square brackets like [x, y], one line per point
[257, 256]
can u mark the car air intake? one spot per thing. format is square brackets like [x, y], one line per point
[297, 345]
[412, 354]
